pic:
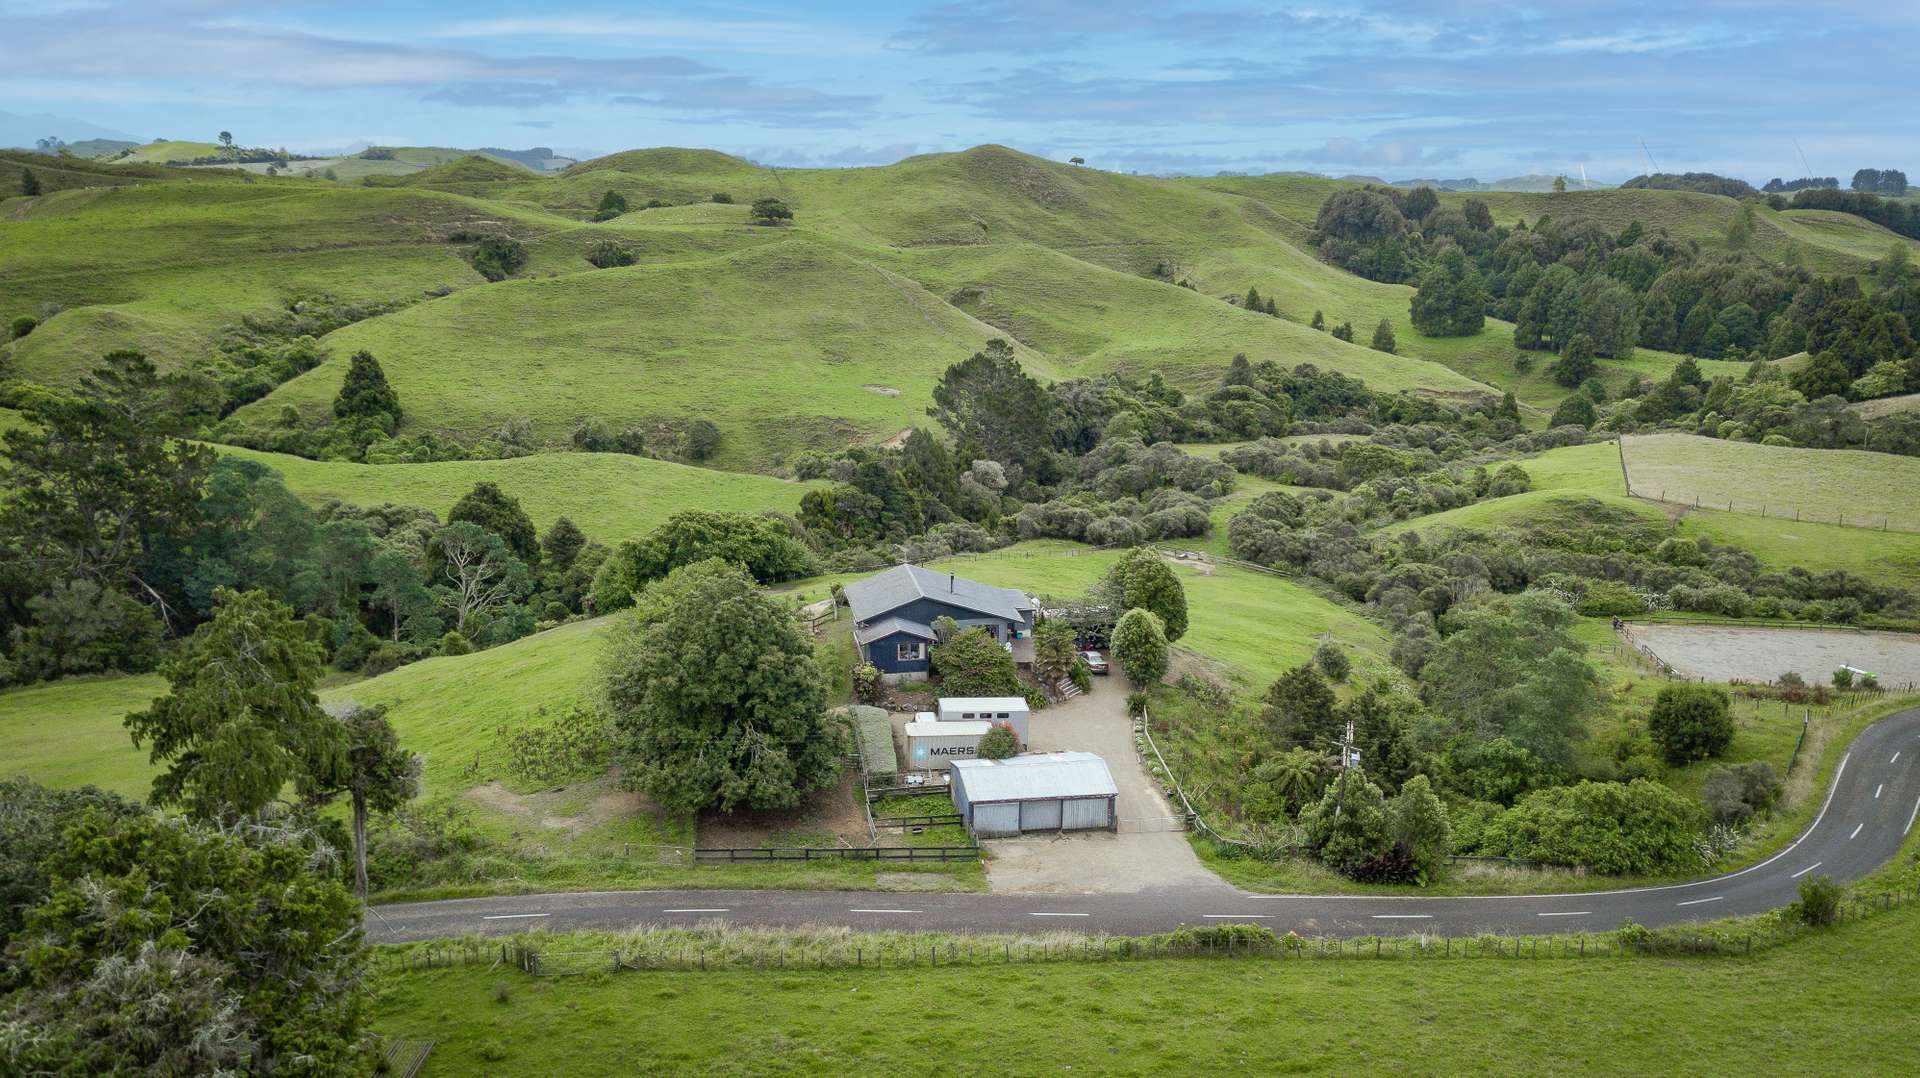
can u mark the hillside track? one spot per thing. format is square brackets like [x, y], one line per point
[1869, 809]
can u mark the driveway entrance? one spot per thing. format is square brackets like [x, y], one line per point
[1149, 851]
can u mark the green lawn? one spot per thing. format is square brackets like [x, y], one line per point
[611, 496]
[1828, 485]
[1843, 1001]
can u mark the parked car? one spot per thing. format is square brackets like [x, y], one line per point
[1096, 662]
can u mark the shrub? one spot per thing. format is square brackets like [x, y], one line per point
[1819, 904]
[1636, 828]
[1690, 722]
[1348, 827]
[577, 743]
[722, 198]
[1332, 661]
[1843, 678]
[498, 257]
[453, 643]
[1140, 645]
[999, 742]
[770, 211]
[607, 254]
[973, 663]
[23, 325]
[867, 686]
[1733, 794]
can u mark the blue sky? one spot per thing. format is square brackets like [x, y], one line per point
[1397, 89]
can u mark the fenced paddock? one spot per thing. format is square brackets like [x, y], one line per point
[1850, 487]
[1756, 653]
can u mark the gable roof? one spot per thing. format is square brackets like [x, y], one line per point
[885, 627]
[889, 590]
[1018, 778]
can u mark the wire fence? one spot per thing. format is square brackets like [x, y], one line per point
[1667, 495]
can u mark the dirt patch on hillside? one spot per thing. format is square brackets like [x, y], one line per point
[574, 807]
[897, 440]
[885, 391]
[830, 817]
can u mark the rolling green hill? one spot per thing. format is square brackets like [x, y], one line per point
[611, 496]
[826, 332]
[671, 343]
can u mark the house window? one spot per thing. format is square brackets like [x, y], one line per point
[912, 652]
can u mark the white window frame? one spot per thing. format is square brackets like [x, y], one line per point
[909, 651]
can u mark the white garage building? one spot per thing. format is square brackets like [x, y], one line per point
[1056, 791]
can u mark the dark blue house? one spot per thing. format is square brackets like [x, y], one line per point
[894, 612]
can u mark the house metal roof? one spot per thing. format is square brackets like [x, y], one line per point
[885, 627]
[889, 590]
[1036, 777]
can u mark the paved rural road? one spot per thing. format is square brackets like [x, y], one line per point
[1866, 813]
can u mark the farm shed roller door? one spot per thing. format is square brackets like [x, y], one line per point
[1040, 815]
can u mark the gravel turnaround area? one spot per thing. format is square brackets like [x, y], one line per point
[1743, 653]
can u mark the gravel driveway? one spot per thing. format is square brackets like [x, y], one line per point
[1100, 862]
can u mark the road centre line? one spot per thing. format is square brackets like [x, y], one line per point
[1856, 831]
[1911, 816]
[714, 909]
[1896, 758]
[512, 916]
[1403, 916]
[1698, 901]
[1806, 870]
[883, 911]
[1236, 916]
[1877, 789]
[1059, 915]
[1567, 913]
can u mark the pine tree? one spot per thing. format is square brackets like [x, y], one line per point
[1383, 337]
[365, 392]
[1319, 320]
[1253, 301]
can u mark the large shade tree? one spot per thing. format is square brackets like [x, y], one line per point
[1513, 668]
[1142, 580]
[716, 695]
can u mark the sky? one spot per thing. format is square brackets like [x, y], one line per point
[1436, 89]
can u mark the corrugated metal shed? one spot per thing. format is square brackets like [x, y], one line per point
[1062, 791]
[1042, 775]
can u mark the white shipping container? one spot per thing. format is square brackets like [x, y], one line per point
[1011, 710]
[932, 744]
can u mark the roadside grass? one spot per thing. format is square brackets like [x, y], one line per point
[1796, 1008]
[1825, 485]
[611, 496]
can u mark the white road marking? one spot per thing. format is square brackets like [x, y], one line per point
[1911, 815]
[1896, 759]
[1403, 916]
[1059, 915]
[883, 911]
[1236, 916]
[1698, 901]
[1568, 913]
[1806, 870]
[1877, 789]
[1856, 831]
[512, 916]
[712, 909]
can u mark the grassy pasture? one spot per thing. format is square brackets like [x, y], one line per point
[1793, 1009]
[1819, 484]
[671, 343]
[611, 496]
